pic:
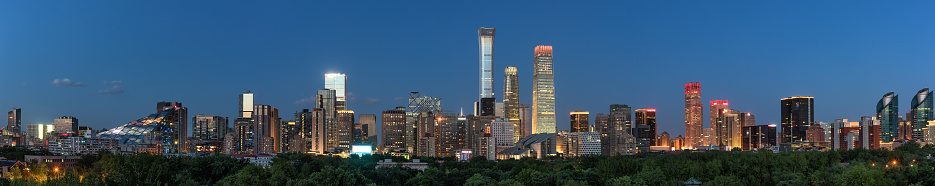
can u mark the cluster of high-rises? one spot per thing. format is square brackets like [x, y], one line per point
[508, 128]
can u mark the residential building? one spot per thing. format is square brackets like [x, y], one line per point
[345, 128]
[266, 128]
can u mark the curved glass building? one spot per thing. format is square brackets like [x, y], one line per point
[920, 112]
[888, 113]
[164, 129]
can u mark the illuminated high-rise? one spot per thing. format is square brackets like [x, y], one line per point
[920, 113]
[344, 128]
[714, 111]
[543, 96]
[645, 129]
[888, 114]
[246, 104]
[579, 121]
[338, 83]
[266, 129]
[693, 115]
[394, 129]
[511, 105]
[798, 113]
[485, 38]
[207, 127]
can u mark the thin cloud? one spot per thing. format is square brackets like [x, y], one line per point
[369, 101]
[67, 83]
[113, 82]
[306, 101]
[116, 89]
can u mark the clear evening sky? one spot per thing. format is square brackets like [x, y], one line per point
[121, 57]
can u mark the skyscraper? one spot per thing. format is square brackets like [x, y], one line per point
[579, 121]
[615, 131]
[325, 99]
[266, 128]
[175, 136]
[645, 128]
[543, 97]
[888, 113]
[394, 129]
[797, 114]
[485, 38]
[246, 104]
[14, 120]
[313, 123]
[511, 103]
[345, 128]
[338, 83]
[920, 113]
[728, 128]
[452, 130]
[714, 111]
[66, 125]
[693, 115]
[207, 127]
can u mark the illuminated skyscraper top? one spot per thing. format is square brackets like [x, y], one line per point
[485, 38]
[246, 104]
[543, 96]
[338, 83]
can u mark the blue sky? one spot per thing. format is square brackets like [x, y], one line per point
[123, 57]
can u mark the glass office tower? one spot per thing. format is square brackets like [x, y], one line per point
[920, 112]
[338, 83]
[485, 38]
[544, 94]
[511, 103]
[888, 113]
[797, 114]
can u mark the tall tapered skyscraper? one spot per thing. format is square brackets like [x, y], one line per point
[511, 104]
[920, 112]
[694, 124]
[798, 113]
[485, 38]
[888, 113]
[338, 83]
[544, 94]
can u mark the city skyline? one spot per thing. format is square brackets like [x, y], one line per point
[112, 90]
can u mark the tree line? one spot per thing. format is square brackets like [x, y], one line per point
[906, 165]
